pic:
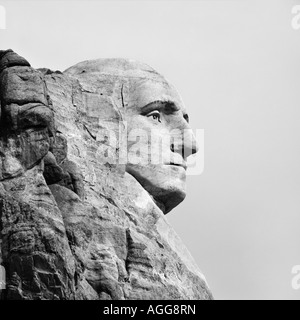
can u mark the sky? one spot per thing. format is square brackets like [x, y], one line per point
[236, 65]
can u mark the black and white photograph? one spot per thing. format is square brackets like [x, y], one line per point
[149, 151]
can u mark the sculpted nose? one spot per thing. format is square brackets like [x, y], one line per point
[190, 143]
[187, 144]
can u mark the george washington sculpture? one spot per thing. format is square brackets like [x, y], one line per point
[91, 160]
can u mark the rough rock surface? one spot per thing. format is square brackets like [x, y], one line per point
[70, 227]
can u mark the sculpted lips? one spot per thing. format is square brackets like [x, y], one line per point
[183, 165]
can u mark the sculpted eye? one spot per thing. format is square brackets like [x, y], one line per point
[155, 115]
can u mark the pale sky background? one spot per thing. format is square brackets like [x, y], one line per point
[236, 65]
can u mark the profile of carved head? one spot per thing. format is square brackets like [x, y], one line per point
[90, 159]
[127, 94]
[121, 104]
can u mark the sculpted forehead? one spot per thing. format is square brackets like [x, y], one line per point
[140, 83]
[114, 67]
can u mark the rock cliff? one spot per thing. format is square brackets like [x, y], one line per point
[72, 226]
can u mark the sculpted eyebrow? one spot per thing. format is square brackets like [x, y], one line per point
[159, 104]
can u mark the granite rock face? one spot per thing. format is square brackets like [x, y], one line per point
[71, 226]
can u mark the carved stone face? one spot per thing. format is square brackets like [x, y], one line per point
[156, 109]
[159, 138]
